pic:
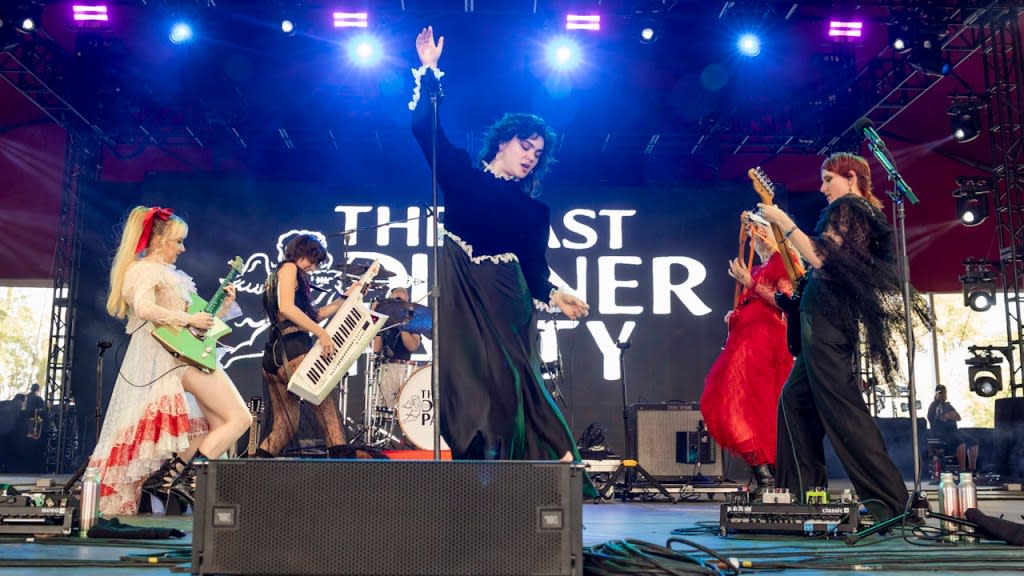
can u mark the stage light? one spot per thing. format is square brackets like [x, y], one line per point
[840, 30]
[926, 54]
[89, 15]
[900, 36]
[749, 45]
[563, 54]
[590, 22]
[287, 27]
[648, 34]
[350, 20]
[181, 32]
[971, 207]
[984, 371]
[971, 195]
[364, 50]
[28, 25]
[979, 284]
[964, 121]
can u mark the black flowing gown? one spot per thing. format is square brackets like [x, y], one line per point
[494, 405]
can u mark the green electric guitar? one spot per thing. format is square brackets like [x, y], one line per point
[195, 346]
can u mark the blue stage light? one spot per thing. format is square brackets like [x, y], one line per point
[749, 45]
[563, 54]
[181, 32]
[364, 50]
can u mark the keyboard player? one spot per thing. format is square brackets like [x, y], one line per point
[288, 304]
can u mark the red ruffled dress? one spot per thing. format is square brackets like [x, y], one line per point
[741, 392]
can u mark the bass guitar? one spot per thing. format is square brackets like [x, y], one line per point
[789, 304]
[195, 346]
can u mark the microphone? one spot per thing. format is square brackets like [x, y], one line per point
[866, 127]
[624, 345]
[430, 209]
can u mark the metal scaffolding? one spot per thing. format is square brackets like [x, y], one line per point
[1004, 74]
[38, 68]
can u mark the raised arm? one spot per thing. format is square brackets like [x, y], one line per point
[453, 164]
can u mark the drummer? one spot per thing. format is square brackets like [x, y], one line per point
[395, 346]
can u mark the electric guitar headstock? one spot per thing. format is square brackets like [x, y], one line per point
[237, 265]
[762, 185]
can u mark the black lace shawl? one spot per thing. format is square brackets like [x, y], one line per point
[861, 281]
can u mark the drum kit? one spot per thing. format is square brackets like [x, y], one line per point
[398, 404]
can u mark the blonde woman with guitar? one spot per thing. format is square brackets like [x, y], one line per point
[149, 420]
[746, 379]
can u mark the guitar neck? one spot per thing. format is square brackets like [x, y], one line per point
[787, 257]
[218, 297]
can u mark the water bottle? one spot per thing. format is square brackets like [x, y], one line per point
[949, 504]
[968, 493]
[90, 501]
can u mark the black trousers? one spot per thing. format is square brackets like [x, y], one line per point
[822, 397]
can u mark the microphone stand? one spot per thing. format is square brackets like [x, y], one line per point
[917, 508]
[103, 345]
[435, 291]
[629, 465]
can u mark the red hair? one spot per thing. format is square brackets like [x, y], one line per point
[843, 163]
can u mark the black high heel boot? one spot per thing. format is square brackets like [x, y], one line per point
[160, 485]
[765, 480]
[185, 484]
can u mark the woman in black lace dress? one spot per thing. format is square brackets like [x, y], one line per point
[854, 282]
[494, 405]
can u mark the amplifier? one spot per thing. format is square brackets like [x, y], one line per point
[809, 519]
[671, 443]
[388, 517]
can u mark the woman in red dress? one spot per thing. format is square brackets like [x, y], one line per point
[742, 389]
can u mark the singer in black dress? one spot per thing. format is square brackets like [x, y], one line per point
[493, 402]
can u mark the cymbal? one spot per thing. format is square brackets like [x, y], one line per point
[415, 318]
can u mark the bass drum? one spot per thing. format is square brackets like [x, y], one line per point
[416, 410]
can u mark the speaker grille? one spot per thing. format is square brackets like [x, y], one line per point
[388, 517]
[656, 428]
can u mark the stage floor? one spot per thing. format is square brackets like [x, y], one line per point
[641, 519]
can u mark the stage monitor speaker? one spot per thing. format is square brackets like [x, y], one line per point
[388, 518]
[670, 439]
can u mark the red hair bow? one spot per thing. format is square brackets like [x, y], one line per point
[163, 214]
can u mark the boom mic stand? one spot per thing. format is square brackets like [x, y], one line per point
[629, 465]
[103, 346]
[917, 508]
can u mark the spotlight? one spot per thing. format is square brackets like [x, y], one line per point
[89, 15]
[287, 27]
[28, 25]
[900, 36]
[350, 20]
[971, 197]
[845, 30]
[964, 122]
[971, 207]
[979, 284]
[563, 54]
[749, 45]
[926, 54]
[364, 50]
[591, 22]
[984, 373]
[181, 33]
[648, 34]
